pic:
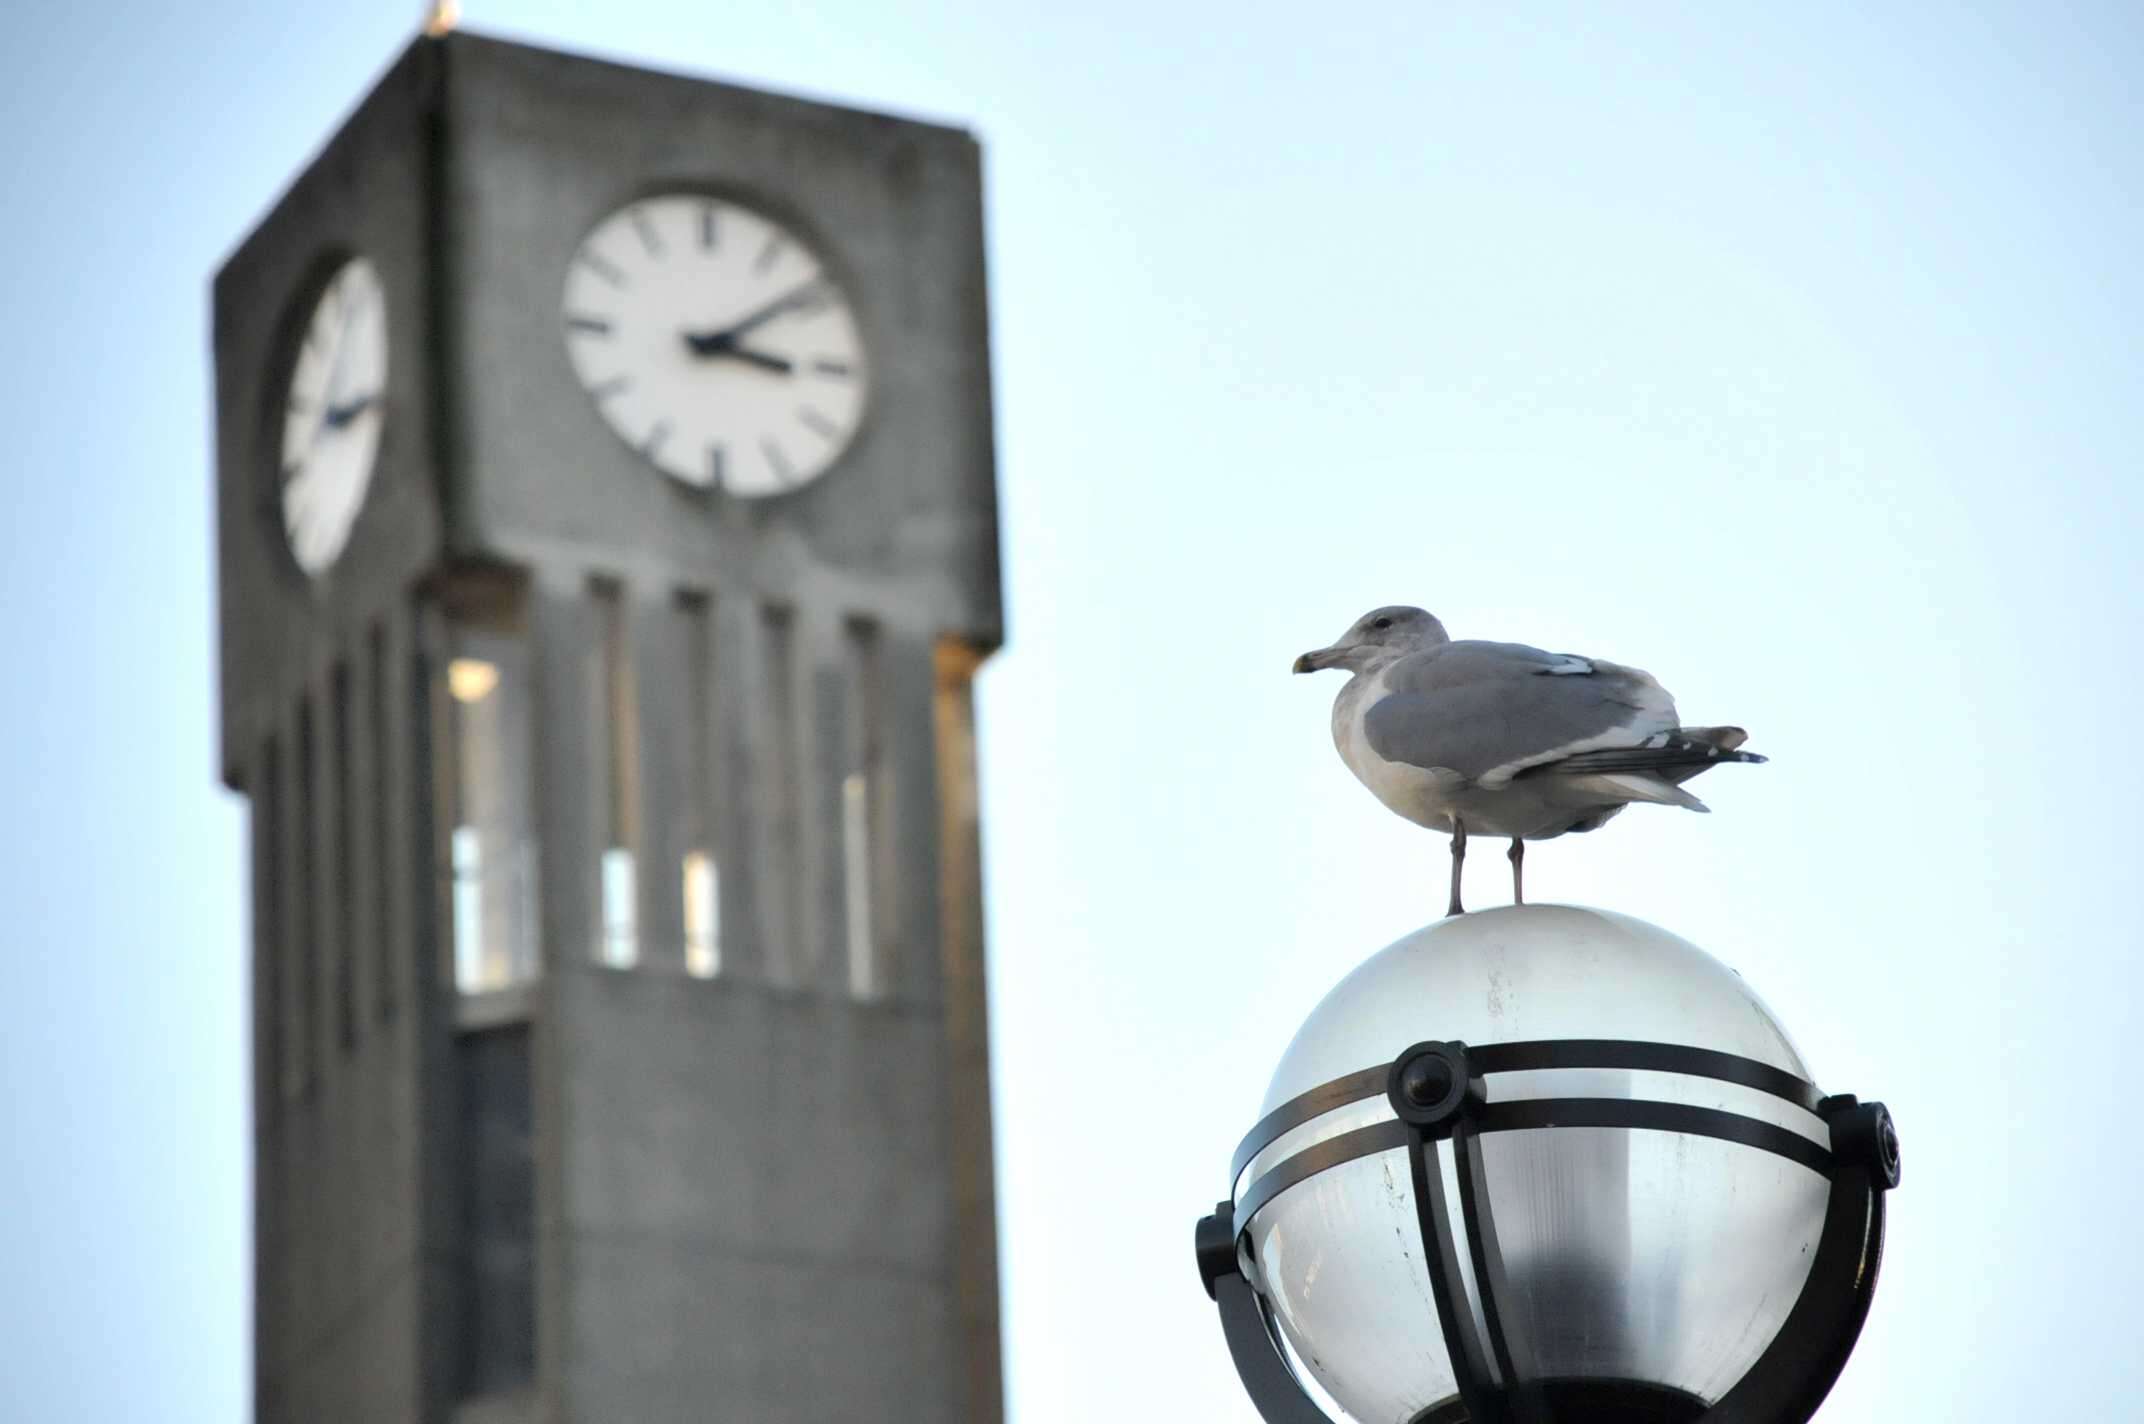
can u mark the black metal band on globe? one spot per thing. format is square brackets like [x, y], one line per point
[1437, 1092]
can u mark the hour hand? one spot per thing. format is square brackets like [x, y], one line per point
[338, 416]
[765, 360]
[724, 343]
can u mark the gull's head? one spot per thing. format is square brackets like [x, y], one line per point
[1377, 637]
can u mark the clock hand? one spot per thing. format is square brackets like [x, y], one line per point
[714, 343]
[723, 343]
[341, 361]
[780, 365]
[338, 416]
[337, 364]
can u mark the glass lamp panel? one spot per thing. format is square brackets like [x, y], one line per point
[1339, 1259]
[1654, 1256]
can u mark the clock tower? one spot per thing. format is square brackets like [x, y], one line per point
[608, 540]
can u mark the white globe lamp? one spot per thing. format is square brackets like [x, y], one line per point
[1547, 1165]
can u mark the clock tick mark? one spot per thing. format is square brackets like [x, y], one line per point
[656, 437]
[828, 366]
[604, 390]
[818, 423]
[649, 238]
[602, 266]
[767, 254]
[593, 325]
[707, 224]
[714, 465]
[777, 461]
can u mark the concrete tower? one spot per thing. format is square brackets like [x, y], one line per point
[608, 539]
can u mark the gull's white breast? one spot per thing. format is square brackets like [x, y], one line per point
[1415, 792]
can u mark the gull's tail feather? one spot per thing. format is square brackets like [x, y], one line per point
[1677, 755]
[1633, 786]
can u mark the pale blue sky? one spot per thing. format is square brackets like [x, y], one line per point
[1790, 352]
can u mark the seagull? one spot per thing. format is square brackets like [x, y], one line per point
[1506, 740]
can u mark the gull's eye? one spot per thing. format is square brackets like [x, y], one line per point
[1380, 622]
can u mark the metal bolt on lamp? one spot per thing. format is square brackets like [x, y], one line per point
[1547, 1165]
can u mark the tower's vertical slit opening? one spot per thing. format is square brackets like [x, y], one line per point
[701, 874]
[863, 821]
[486, 790]
[491, 846]
[268, 937]
[385, 876]
[783, 948]
[309, 899]
[618, 933]
[342, 893]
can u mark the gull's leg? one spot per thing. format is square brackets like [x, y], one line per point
[1459, 855]
[1518, 871]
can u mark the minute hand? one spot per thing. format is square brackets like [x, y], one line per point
[707, 343]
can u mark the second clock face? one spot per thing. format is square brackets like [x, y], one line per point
[715, 343]
[331, 421]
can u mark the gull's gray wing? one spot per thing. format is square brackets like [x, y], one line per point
[1490, 710]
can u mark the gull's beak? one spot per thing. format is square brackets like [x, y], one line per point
[1314, 659]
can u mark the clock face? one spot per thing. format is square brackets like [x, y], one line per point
[332, 414]
[715, 343]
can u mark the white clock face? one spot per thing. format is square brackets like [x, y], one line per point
[332, 415]
[715, 343]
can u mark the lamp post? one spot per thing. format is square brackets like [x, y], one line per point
[1547, 1165]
